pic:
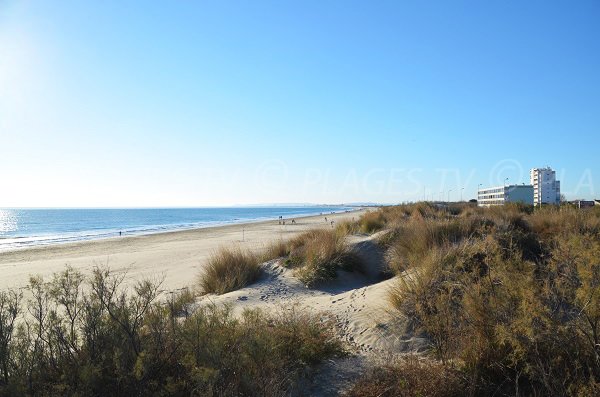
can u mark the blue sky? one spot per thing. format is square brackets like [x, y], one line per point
[199, 103]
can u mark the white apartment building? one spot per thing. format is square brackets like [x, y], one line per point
[501, 195]
[546, 189]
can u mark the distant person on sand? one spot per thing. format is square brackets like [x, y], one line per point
[332, 224]
[120, 232]
[293, 221]
[325, 219]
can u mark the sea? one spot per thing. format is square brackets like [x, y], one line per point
[21, 228]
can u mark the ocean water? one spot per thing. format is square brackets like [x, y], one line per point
[21, 228]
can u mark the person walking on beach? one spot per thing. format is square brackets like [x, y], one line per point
[120, 233]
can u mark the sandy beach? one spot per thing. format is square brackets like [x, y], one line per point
[177, 256]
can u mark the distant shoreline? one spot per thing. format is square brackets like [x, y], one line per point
[14, 243]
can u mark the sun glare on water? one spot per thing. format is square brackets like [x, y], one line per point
[8, 221]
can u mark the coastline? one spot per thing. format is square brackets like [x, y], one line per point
[176, 255]
[12, 243]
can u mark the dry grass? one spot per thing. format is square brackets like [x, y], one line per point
[388, 217]
[511, 294]
[413, 239]
[372, 221]
[228, 269]
[346, 228]
[317, 255]
[276, 249]
[410, 377]
[550, 221]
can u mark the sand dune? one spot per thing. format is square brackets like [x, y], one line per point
[356, 303]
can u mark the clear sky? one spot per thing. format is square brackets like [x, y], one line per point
[193, 103]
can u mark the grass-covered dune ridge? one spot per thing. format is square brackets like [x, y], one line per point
[315, 255]
[510, 296]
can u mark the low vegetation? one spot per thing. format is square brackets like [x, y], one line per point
[347, 227]
[410, 377]
[76, 336]
[371, 221]
[228, 269]
[508, 296]
[317, 255]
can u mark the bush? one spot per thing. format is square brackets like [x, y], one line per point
[512, 296]
[89, 337]
[410, 377]
[228, 269]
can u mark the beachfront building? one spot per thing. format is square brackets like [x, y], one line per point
[546, 189]
[501, 195]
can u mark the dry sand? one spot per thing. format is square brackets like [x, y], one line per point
[177, 256]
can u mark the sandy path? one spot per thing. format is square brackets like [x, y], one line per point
[176, 256]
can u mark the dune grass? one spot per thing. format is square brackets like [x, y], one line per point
[275, 249]
[317, 255]
[371, 221]
[228, 269]
[347, 227]
[509, 294]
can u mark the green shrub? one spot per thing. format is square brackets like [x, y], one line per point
[92, 336]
